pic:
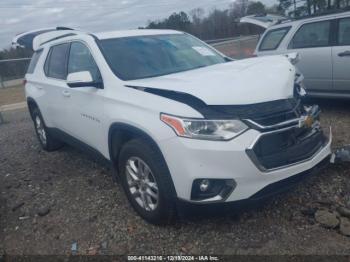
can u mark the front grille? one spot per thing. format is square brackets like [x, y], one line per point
[282, 148]
[293, 110]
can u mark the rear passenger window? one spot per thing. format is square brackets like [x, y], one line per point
[344, 32]
[312, 35]
[56, 63]
[34, 61]
[273, 38]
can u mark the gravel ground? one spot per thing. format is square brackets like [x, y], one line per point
[51, 201]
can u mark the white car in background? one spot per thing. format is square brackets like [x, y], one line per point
[323, 45]
[177, 121]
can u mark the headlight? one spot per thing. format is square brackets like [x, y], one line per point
[204, 129]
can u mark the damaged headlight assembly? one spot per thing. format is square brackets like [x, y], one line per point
[218, 130]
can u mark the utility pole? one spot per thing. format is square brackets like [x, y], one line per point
[1, 119]
[1, 82]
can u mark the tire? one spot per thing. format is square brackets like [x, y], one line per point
[46, 140]
[139, 155]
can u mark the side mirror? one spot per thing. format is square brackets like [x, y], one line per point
[82, 79]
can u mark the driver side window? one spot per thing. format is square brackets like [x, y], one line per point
[80, 59]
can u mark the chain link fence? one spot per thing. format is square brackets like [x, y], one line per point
[12, 71]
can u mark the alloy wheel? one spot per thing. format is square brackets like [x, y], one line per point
[142, 184]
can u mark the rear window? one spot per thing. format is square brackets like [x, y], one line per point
[34, 61]
[273, 38]
[56, 63]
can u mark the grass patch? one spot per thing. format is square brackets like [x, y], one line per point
[11, 95]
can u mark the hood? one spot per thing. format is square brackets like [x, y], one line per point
[248, 81]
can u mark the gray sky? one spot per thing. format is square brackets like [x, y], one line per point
[17, 16]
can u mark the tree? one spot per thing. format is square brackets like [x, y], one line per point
[216, 24]
[256, 8]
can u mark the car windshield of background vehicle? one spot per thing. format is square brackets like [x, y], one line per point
[140, 57]
[273, 39]
[312, 35]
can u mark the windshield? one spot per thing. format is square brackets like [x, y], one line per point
[139, 57]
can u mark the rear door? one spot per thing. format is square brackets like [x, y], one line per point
[313, 43]
[341, 56]
[55, 70]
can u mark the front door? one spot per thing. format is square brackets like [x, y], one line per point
[341, 57]
[85, 112]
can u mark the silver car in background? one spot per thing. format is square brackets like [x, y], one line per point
[323, 44]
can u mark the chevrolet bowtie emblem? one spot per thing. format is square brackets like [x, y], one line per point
[306, 121]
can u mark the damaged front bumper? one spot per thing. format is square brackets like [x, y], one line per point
[278, 146]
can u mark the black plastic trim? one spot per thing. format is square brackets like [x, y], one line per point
[76, 143]
[117, 130]
[222, 111]
[130, 130]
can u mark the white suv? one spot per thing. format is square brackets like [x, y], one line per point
[178, 121]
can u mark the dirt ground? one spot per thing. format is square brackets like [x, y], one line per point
[53, 202]
[11, 95]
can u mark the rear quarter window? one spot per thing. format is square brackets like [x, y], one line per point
[273, 38]
[34, 61]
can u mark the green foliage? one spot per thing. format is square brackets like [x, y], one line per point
[303, 8]
[256, 8]
[13, 53]
[178, 21]
[214, 25]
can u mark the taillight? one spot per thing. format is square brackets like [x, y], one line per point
[24, 82]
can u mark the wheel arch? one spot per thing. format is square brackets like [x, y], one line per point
[120, 133]
[31, 105]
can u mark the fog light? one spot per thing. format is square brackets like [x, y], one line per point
[206, 189]
[204, 185]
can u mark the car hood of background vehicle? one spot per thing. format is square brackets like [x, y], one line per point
[248, 81]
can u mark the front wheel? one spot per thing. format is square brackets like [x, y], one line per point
[147, 182]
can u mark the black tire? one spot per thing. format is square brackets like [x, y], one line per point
[165, 210]
[49, 143]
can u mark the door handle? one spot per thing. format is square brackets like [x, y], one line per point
[345, 53]
[66, 93]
